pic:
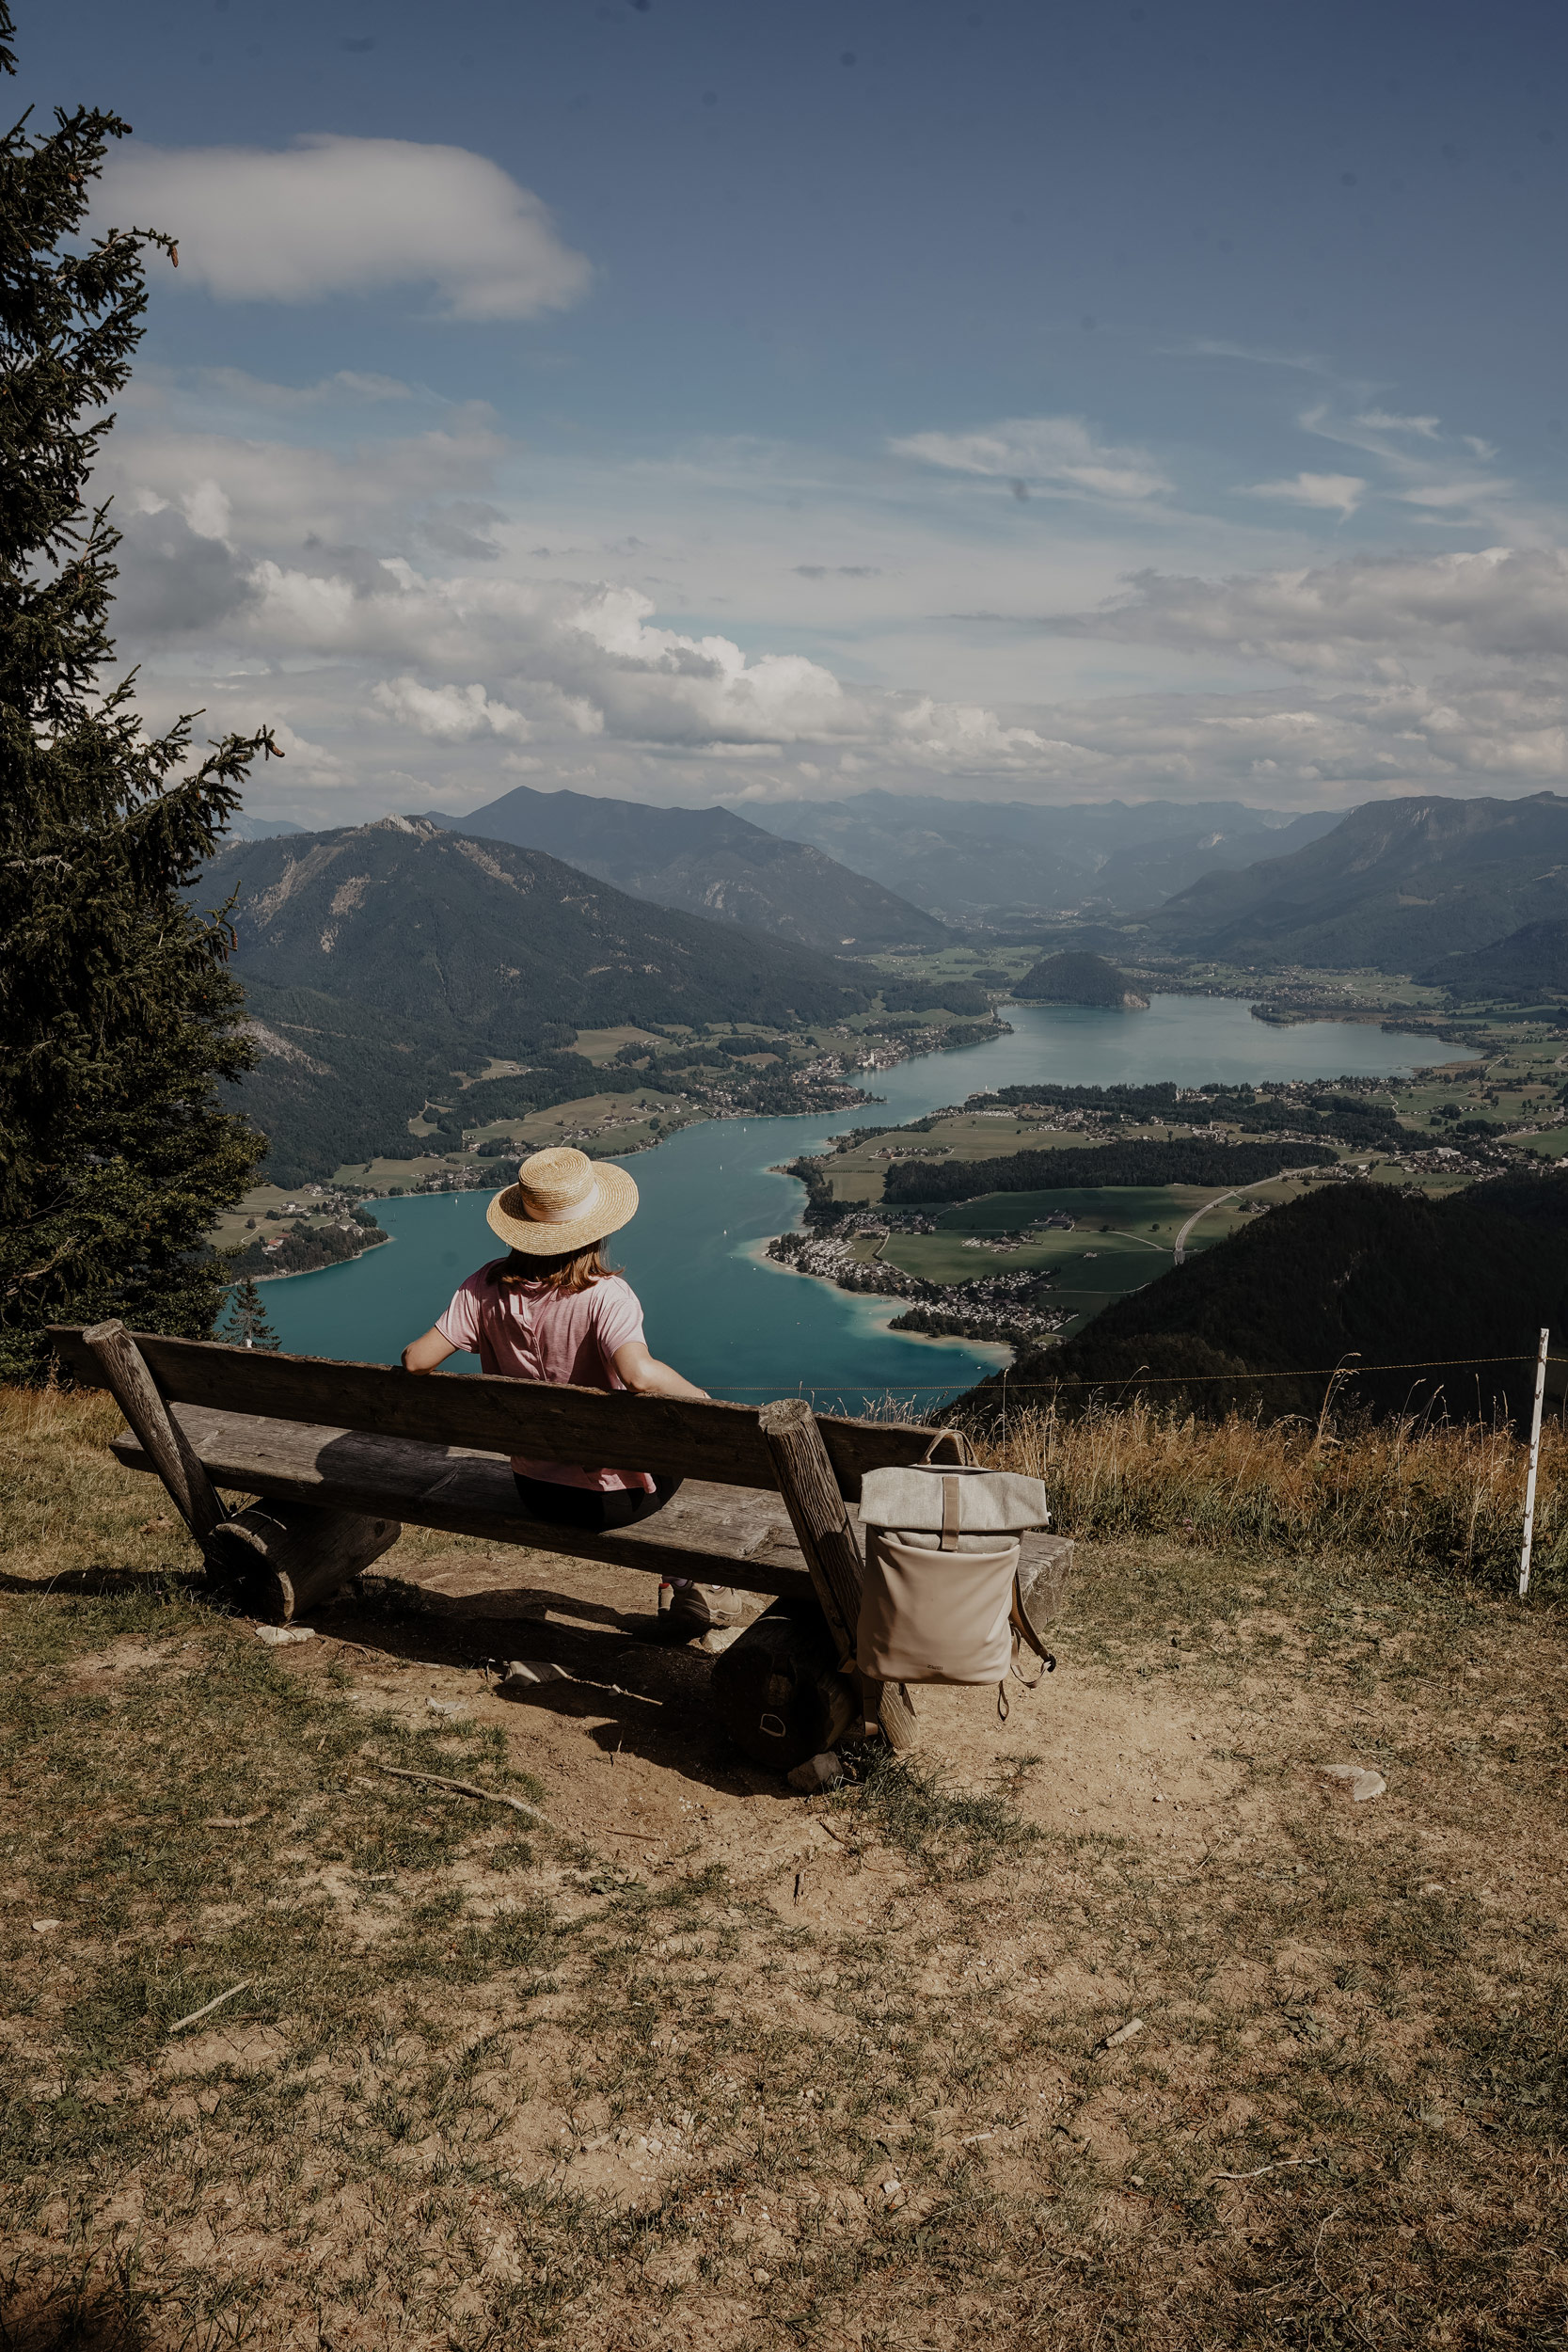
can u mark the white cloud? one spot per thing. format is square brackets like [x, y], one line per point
[349, 384]
[1056, 454]
[334, 215]
[337, 587]
[450, 714]
[1382, 421]
[1502, 608]
[1336, 493]
[1455, 494]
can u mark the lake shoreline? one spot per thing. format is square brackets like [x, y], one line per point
[710, 1203]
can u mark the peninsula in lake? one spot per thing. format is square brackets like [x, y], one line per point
[1079, 977]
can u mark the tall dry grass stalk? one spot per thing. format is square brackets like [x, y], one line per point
[1443, 1496]
[1416, 1495]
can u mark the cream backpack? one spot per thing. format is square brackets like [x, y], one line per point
[940, 1599]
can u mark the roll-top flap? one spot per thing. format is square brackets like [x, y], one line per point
[983, 1501]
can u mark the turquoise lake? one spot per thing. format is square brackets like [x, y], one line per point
[749, 1331]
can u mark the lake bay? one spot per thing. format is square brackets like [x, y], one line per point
[749, 1331]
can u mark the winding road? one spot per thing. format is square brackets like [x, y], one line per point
[1234, 1194]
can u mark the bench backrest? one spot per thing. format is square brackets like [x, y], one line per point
[585, 1427]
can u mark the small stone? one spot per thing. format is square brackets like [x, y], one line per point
[763, 2278]
[520, 1672]
[448, 1707]
[44, 1926]
[279, 1636]
[1356, 1781]
[817, 1772]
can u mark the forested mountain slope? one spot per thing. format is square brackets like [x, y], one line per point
[1356, 1274]
[1397, 884]
[709, 862]
[1078, 978]
[1530, 966]
[477, 936]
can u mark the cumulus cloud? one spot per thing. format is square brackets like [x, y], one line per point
[274, 582]
[1369, 616]
[335, 215]
[450, 714]
[1054, 454]
[1335, 493]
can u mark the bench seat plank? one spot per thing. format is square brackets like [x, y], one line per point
[721, 1534]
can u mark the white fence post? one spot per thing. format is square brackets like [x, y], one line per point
[1534, 1465]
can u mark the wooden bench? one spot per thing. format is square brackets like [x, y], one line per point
[343, 1455]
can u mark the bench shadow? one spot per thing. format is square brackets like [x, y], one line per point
[643, 1697]
[99, 1582]
[526, 1604]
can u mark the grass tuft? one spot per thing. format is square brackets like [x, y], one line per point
[952, 1834]
[1442, 1498]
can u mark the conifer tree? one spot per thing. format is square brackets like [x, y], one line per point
[246, 1324]
[117, 1018]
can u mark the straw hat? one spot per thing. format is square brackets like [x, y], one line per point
[562, 1201]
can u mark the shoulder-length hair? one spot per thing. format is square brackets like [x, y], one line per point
[572, 1270]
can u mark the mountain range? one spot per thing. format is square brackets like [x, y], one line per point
[708, 862]
[481, 937]
[961, 859]
[381, 961]
[1395, 886]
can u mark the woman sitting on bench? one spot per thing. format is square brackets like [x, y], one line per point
[554, 1311]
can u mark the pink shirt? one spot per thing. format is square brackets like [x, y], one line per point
[527, 1331]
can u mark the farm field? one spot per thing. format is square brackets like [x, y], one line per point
[1123, 1237]
[857, 1174]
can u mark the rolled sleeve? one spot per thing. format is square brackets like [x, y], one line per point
[617, 1317]
[459, 1326]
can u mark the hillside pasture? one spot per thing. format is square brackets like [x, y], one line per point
[685, 2061]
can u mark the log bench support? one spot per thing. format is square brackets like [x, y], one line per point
[268, 1562]
[277, 1558]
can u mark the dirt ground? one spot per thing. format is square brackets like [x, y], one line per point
[676, 2057]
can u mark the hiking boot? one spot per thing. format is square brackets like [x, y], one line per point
[697, 1609]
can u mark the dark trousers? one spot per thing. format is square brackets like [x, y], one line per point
[591, 1508]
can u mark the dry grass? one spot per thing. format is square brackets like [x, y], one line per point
[1445, 1499]
[491, 2090]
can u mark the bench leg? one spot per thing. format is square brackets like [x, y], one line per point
[277, 1558]
[134, 1391]
[832, 1553]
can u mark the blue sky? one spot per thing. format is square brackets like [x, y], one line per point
[693, 401]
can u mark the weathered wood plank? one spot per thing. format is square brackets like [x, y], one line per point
[121, 1370]
[817, 1512]
[277, 1559]
[586, 1427]
[721, 1534]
